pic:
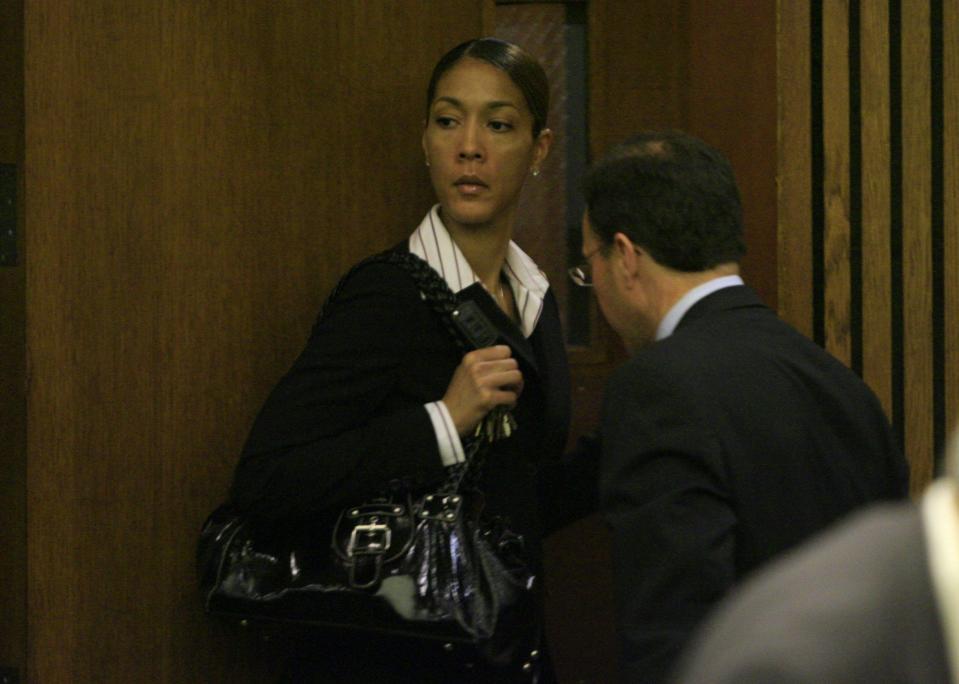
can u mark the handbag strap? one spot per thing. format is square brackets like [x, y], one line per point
[440, 298]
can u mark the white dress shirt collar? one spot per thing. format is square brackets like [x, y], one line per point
[432, 242]
[940, 519]
[667, 326]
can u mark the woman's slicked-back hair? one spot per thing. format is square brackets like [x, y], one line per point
[519, 65]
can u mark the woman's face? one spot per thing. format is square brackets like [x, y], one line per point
[479, 145]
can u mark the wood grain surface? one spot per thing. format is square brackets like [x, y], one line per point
[199, 175]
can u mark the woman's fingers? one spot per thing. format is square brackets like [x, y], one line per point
[485, 378]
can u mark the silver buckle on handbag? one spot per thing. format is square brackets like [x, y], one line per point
[372, 539]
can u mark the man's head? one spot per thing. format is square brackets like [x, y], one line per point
[671, 194]
[662, 216]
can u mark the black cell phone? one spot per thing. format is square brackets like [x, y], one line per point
[474, 325]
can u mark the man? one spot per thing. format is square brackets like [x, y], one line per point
[874, 600]
[728, 437]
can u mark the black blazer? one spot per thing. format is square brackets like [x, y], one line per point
[724, 445]
[349, 417]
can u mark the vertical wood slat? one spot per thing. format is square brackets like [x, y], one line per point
[836, 177]
[916, 242]
[950, 118]
[876, 276]
[13, 425]
[794, 185]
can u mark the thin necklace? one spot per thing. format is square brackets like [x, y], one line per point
[505, 305]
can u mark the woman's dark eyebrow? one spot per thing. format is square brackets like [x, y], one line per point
[449, 100]
[495, 104]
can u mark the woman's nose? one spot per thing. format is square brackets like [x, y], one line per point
[470, 146]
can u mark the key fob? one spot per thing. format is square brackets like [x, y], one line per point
[474, 325]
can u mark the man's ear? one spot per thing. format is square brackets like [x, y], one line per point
[629, 255]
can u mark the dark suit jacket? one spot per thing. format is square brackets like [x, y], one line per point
[855, 606]
[724, 445]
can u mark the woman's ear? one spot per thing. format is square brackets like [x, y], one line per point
[541, 149]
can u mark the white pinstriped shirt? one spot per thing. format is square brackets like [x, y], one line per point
[432, 242]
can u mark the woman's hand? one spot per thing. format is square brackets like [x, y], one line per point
[485, 378]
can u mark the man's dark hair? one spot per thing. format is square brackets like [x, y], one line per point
[671, 194]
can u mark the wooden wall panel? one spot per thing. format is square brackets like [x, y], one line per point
[950, 212]
[882, 248]
[198, 176]
[651, 92]
[836, 178]
[12, 361]
[876, 188]
[738, 117]
[794, 160]
[916, 238]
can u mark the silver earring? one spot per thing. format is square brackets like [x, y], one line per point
[427, 162]
[535, 172]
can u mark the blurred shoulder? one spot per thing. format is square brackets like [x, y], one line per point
[823, 609]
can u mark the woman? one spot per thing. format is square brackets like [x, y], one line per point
[381, 392]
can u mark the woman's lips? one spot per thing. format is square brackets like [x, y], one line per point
[470, 185]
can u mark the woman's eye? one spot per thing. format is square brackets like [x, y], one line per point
[500, 126]
[445, 121]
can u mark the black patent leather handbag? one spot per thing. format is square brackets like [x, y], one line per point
[431, 569]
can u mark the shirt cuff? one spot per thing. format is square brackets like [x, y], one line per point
[447, 439]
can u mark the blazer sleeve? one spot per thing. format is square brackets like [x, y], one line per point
[663, 494]
[343, 422]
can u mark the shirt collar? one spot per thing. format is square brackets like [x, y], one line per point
[432, 243]
[667, 326]
[941, 525]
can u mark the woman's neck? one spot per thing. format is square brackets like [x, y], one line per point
[485, 249]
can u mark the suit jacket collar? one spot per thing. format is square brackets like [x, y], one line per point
[736, 297]
[675, 314]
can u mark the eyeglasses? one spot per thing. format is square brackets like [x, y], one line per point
[582, 275]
